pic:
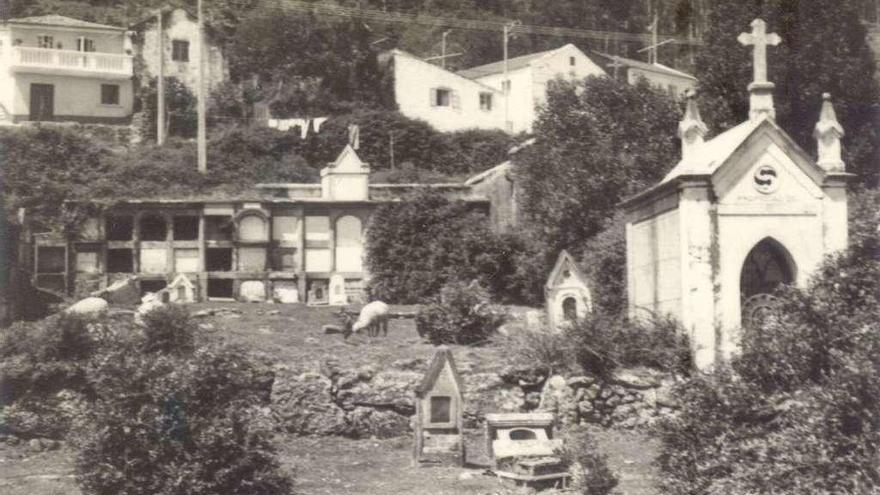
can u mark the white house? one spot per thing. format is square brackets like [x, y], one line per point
[674, 82]
[444, 99]
[179, 39]
[58, 68]
[526, 80]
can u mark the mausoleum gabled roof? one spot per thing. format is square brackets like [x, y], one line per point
[442, 357]
[565, 261]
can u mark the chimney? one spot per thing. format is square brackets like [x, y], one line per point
[828, 132]
[691, 129]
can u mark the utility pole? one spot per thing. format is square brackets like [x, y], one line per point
[202, 137]
[443, 49]
[505, 84]
[391, 148]
[160, 83]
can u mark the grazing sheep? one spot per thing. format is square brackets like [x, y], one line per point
[373, 317]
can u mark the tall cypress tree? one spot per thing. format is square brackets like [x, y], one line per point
[824, 49]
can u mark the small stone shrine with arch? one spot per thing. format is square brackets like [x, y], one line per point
[439, 409]
[566, 293]
[739, 215]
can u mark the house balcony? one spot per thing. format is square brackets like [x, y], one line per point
[71, 63]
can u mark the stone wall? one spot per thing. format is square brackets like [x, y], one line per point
[372, 401]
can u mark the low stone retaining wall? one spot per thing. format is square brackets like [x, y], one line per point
[370, 401]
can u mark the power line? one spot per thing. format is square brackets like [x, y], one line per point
[469, 24]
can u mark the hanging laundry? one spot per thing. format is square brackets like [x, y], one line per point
[304, 130]
[316, 123]
[284, 125]
[273, 123]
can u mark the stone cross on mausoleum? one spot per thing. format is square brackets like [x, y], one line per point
[761, 90]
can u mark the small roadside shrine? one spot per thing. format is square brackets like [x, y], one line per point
[439, 408]
[566, 293]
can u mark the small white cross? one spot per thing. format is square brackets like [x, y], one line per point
[760, 38]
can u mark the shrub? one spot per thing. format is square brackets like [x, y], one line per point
[589, 468]
[796, 411]
[537, 347]
[166, 423]
[602, 343]
[168, 329]
[462, 316]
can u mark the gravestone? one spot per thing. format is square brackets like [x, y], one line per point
[439, 407]
[252, 291]
[337, 291]
[522, 447]
[738, 216]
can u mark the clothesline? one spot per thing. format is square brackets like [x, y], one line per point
[285, 125]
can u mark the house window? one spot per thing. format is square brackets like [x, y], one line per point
[180, 50]
[110, 94]
[571, 61]
[486, 101]
[441, 409]
[45, 41]
[84, 44]
[442, 97]
[505, 86]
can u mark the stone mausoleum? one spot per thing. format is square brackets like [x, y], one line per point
[739, 215]
[281, 242]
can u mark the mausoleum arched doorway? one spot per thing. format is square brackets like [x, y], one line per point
[569, 308]
[767, 266]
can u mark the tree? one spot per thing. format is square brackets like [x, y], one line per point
[823, 49]
[597, 142]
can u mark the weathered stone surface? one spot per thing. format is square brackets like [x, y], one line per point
[89, 306]
[558, 398]
[533, 400]
[410, 364]
[664, 397]
[304, 405]
[637, 378]
[368, 422]
[524, 376]
[123, 291]
[388, 389]
[581, 381]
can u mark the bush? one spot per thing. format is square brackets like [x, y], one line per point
[174, 423]
[589, 468]
[797, 411]
[538, 347]
[602, 343]
[416, 246]
[168, 329]
[463, 315]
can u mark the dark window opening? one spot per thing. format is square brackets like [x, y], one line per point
[180, 50]
[284, 260]
[441, 98]
[110, 94]
[441, 409]
[523, 435]
[219, 228]
[571, 61]
[152, 286]
[186, 228]
[153, 228]
[120, 261]
[50, 259]
[569, 309]
[486, 101]
[220, 288]
[119, 228]
[218, 259]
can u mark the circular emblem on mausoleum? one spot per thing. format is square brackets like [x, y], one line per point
[766, 179]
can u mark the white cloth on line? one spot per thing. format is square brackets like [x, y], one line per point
[317, 123]
[284, 125]
[273, 123]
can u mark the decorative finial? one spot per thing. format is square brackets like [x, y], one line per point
[761, 90]
[691, 129]
[828, 133]
[354, 136]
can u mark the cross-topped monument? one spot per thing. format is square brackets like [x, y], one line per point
[761, 90]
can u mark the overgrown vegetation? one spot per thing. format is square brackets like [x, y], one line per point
[463, 314]
[589, 468]
[796, 411]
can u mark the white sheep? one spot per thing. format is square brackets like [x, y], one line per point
[373, 317]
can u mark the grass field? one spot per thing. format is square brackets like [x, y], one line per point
[291, 335]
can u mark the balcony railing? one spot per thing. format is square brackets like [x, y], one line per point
[69, 60]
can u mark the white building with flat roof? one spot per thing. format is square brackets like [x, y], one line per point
[55, 68]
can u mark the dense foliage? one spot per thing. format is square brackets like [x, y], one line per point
[604, 262]
[590, 472]
[600, 343]
[823, 49]
[796, 411]
[417, 246]
[597, 142]
[462, 314]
